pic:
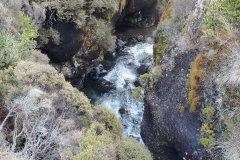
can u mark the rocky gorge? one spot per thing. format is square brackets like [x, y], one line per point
[168, 69]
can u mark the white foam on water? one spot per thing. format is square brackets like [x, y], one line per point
[123, 75]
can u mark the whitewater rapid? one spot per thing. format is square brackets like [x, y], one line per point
[123, 75]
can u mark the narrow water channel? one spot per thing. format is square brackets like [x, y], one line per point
[123, 74]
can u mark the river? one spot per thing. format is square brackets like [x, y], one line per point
[123, 74]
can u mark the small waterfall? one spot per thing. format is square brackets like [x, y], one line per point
[123, 74]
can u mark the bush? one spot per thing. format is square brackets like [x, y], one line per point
[130, 148]
[208, 113]
[95, 147]
[138, 93]
[103, 34]
[42, 75]
[80, 102]
[161, 44]
[16, 48]
[107, 117]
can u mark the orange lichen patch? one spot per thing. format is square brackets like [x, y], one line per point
[167, 12]
[196, 77]
[195, 80]
[122, 5]
[182, 108]
[196, 73]
[199, 62]
[194, 103]
[191, 95]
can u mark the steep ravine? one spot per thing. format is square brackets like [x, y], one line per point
[123, 76]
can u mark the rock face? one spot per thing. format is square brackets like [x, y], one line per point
[69, 44]
[142, 10]
[169, 133]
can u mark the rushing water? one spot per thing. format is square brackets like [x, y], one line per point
[123, 74]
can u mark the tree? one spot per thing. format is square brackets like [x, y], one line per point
[36, 122]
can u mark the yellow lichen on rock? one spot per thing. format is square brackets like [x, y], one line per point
[167, 12]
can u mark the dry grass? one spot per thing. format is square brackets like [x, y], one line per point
[230, 72]
[231, 148]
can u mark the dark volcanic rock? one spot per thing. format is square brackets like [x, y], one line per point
[101, 85]
[69, 44]
[142, 69]
[97, 72]
[138, 5]
[123, 110]
[137, 83]
[168, 133]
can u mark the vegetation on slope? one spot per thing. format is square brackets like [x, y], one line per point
[41, 115]
[213, 87]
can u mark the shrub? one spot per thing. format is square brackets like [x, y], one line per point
[42, 75]
[156, 72]
[208, 113]
[80, 102]
[208, 136]
[112, 124]
[16, 48]
[230, 69]
[103, 34]
[230, 148]
[40, 57]
[130, 148]
[161, 45]
[93, 146]
[137, 93]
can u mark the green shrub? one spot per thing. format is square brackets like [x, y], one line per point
[93, 146]
[130, 148]
[228, 9]
[137, 93]
[111, 122]
[208, 136]
[102, 32]
[80, 102]
[16, 48]
[161, 44]
[42, 75]
[209, 112]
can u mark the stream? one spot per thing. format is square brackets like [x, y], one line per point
[123, 75]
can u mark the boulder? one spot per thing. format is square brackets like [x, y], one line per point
[140, 38]
[100, 85]
[120, 44]
[97, 72]
[123, 110]
[142, 69]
